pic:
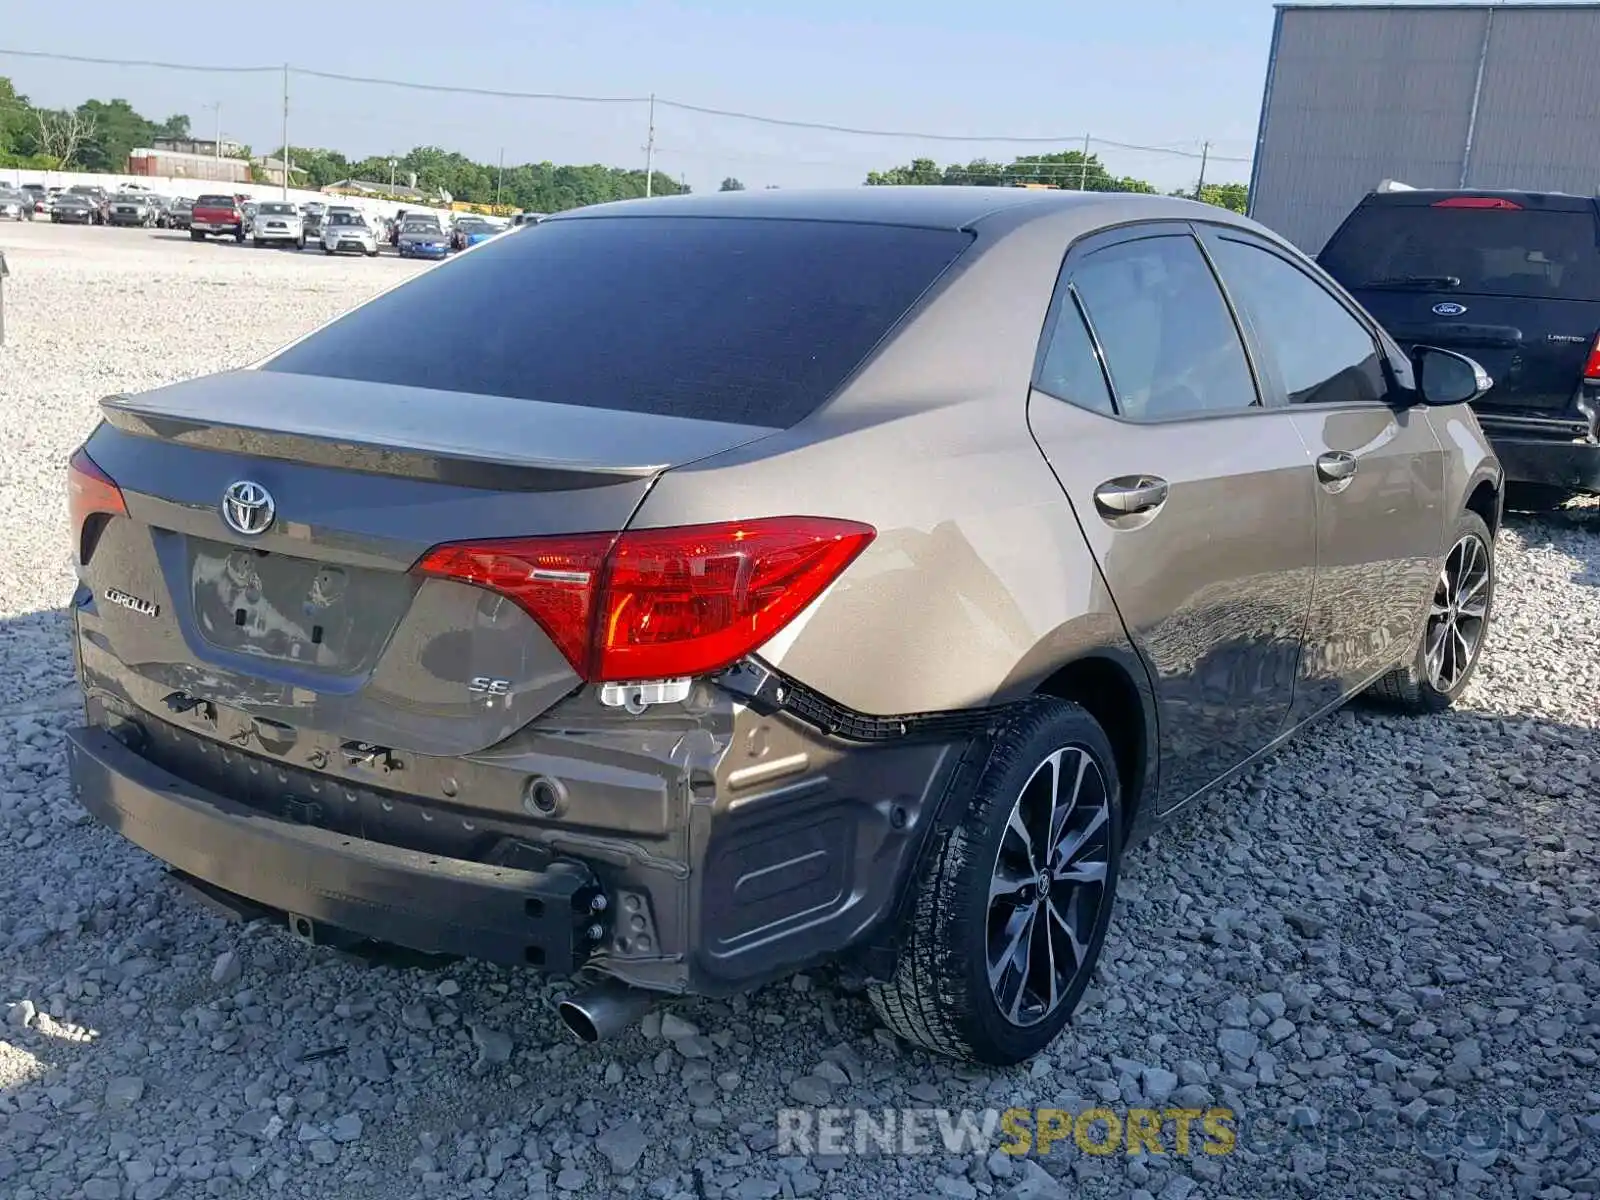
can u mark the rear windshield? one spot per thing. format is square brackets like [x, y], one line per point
[215, 201]
[1496, 252]
[748, 321]
[279, 210]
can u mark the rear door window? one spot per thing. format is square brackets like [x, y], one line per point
[1170, 344]
[1323, 354]
[1539, 253]
[748, 321]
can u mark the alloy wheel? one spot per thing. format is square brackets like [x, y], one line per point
[1459, 614]
[1048, 886]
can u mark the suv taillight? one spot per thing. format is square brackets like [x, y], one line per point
[1591, 365]
[90, 492]
[660, 603]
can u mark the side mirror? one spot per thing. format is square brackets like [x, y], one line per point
[1445, 377]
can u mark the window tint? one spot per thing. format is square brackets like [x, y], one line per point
[1070, 370]
[1495, 252]
[1168, 338]
[1324, 355]
[747, 321]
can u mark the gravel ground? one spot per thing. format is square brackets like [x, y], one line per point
[1380, 950]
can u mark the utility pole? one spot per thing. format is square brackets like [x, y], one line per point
[500, 182]
[391, 177]
[650, 148]
[285, 163]
[1083, 167]
[1200, 187]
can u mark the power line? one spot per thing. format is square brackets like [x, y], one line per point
[137, 62]
[466, 91]
[681, 106]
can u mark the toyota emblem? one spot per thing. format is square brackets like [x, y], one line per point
[248, 508]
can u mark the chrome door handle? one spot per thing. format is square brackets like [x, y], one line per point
[1130, 495]
[1336, 466]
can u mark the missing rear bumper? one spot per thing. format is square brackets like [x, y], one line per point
[430, 903]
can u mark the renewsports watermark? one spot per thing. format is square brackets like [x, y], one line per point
[1180, 1132]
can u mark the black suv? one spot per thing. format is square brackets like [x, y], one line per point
[1511, 279]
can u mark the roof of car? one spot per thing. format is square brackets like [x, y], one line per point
[928, 206]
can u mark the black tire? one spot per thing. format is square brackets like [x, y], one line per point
[373, 253]
[257, 243]
[325, 250]
[940, 995]
[238, 236]
[301, 244]
[1412, 687]
[196, 235]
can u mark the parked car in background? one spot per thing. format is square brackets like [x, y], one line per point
[469, 231]
[1512, 278]
[70, 208]
[278, 223]
[621, 642]
[133, 208]
[96, 197]
[526, 218]
[179, 212]
[346, 230]
[422, 237]
[40, 197]
[218, 213]
[311, 217]
[15, 205]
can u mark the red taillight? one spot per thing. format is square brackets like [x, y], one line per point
[1591, 365]
[661, 603]
[89, 491]
[1478, 202]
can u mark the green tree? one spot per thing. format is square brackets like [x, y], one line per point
[1232, 196]
[1070, 169]
[114, 131]
[730, 184]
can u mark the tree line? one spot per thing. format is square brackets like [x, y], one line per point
[1070, 169]
[100, 135]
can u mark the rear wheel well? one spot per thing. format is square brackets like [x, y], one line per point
[1485, 501]
[1107, 692]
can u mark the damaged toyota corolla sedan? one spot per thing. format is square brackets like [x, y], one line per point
[678, 593]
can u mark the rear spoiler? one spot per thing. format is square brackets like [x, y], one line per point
[478, 441]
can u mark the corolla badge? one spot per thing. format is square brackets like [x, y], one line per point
[1449, 308]
[248, 508]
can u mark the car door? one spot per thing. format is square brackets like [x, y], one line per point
[1197, 501]
[1380, 466]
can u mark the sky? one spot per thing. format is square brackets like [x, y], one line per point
[1172, 74]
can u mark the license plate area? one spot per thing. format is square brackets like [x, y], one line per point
[297, 610]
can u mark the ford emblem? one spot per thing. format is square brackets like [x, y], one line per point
[1449, 308]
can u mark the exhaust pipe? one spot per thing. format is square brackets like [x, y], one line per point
[603, 1010]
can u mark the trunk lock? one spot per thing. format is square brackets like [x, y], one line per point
[636, 697]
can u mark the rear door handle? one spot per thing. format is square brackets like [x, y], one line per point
[1127, 496]
[1336, 466]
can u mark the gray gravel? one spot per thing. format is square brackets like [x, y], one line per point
[1391, 926]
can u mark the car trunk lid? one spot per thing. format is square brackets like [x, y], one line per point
[309, 615]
